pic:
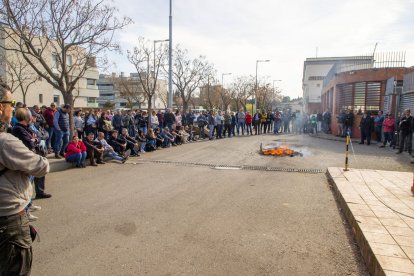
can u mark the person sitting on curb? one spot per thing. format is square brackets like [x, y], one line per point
[76, 152]
[119, 145]
[93, 150]
[168, 138]
[159, 138]
[131, 143]
[108, 150]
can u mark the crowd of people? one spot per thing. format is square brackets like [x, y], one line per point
[387, 130]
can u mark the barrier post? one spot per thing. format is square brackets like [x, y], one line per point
[347, 151]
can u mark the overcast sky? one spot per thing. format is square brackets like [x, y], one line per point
[233, 34]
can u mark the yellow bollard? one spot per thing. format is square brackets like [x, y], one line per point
[348, 139]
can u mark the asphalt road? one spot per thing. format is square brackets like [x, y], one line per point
[174, 219]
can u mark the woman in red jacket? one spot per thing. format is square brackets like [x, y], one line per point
[388, 127]
[76, 152]
[249, 120]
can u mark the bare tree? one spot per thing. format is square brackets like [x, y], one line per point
[147, 62]
[188, 74]
[19, 74]
[267, 97]
[210, 93]
[226, 96]
[75, 33]
[244, 89]
[129, 89]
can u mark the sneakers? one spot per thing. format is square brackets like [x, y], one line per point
[35, 208]
[31, 217]
[57, 156]
[125, 159]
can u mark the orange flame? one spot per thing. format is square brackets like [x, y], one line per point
[278, 151]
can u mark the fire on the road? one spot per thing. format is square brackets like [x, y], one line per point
[278, 150]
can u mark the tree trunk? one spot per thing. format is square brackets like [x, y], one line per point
[149, 111]
[68, 99]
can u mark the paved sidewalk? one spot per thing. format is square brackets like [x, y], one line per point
[379, 207]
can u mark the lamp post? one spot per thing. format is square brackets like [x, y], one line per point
[222, 86]
[274, 84]
[255, 88]
[170, 92]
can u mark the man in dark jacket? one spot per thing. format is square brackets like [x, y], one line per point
[62, 130]
[131, 143]
[367, 127]
[94, 149]
[117, 121]
[169, 119]
[348, 122]
[406, 131]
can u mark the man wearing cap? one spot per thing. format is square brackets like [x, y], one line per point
[61, 126]
[49, 114]
[17, 163]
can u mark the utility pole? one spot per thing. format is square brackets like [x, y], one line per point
[170, 89]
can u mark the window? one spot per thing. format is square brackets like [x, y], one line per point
[55, 60]
[40, 98]
[359, 97]
[314, 78]
[91, 100]
[56, 100]
[69, 60]
[91, 82]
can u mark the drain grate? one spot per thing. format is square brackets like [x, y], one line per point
[242, 167]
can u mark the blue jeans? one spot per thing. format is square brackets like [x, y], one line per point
[113, 155]
[211, 128]
[144, 130]
[49, 140]
[78, 158]
[61, 141]
[348, 129]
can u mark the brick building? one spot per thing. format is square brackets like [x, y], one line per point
[360, 91]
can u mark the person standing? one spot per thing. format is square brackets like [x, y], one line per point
[211, 124]
[348, 123]
[61, 126]
[406, 131]
[49, 114]
[367, 127]
[249, 120]
[79, 124]
[378, 121]
[388, 125]
[241, 121]
[17, 162]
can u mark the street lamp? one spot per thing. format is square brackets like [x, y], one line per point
[274, 84]
[255, 89]
[170, 90]
[222, 84]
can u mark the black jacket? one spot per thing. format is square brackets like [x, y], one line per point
[25, 134]
[367, 123]
[406, 125]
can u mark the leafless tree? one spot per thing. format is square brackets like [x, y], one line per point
[129, 89]
[188, 74]
[19, 75]
[244, 89]
[147, 62]
[75, 33]
[267, 97]
[227, 96]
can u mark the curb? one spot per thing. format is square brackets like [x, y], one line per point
[368, 255]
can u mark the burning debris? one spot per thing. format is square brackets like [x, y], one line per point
[278, 150]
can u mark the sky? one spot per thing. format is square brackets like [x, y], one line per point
[233, 34]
